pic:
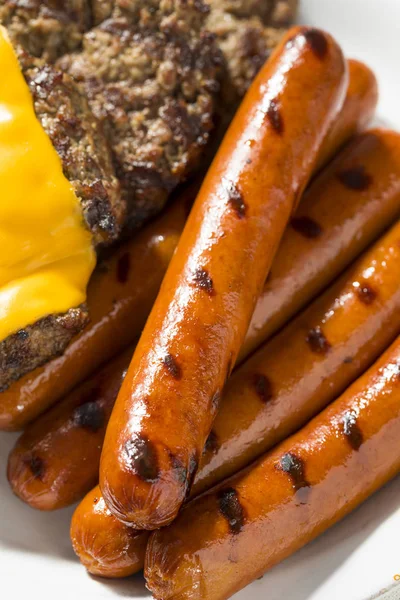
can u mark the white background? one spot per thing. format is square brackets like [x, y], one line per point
[353, 561]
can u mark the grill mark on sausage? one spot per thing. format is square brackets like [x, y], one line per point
[36, 466]
[317, 341]
[275, 118]
[123, 267]
[172, 366]
[355, 178]
[352, 431]
[231, 509]
[202, 279]
[348, 360]
[235, 198]
[317, 42]
[294, 467]
[306, 227]
[365, 293]
[142, 457]
[212, 443]
[263, 387]
[89, 416]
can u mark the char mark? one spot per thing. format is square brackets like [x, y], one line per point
[142, 458]
[202, 279]
[172, 366]
[294, 467]
[263, 387]
[365, 293]
[231, 509]
[306, 227]
[235, 198]
[352, 431]
[275, 117]
[355, 178]
[317, 341]
[89, 416]
[317, 42]
[36, 466]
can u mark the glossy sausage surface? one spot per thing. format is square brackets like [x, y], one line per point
[190, 343]
[286, 382]
[120, 294]
[127, 286]
[358, 110]
[357, 195]
[229, 537]
[56, 460]
[291, 378]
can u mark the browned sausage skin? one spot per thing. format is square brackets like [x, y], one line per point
[290, 379]
[283, 385]
[329, 226]
[227, 538]
[190, 343]
[127, 283]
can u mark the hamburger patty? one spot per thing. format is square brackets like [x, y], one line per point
[150, 72]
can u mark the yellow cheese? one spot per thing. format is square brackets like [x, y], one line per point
[46, 252]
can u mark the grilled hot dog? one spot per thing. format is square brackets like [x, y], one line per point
[190, 343]
[227, 538]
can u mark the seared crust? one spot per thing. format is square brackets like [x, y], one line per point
[47, 28]
[150, 72]
[36, 344]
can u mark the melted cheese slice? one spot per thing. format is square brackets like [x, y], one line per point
[46, 252]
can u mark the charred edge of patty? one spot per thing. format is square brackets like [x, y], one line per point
[151, 75]
[36, 344]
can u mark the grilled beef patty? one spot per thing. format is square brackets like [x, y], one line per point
[150, 72]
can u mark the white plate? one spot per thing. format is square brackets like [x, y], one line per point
[355, 560]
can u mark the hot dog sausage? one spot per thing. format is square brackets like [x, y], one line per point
[227, 538]
[123, 286]
[55, 462]
[362, 95]
[190, 343]
[120, 549]
[285, 383]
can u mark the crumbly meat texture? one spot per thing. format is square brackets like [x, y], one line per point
[247, 31]
[81, 145]
[47, 28]
[150, 72]
[32, 346]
